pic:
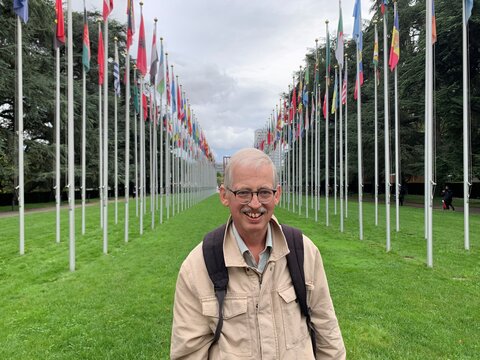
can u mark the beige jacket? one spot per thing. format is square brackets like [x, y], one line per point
[262, 320]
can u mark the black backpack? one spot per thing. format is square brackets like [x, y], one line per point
[212, 248]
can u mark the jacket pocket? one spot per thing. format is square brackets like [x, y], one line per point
[235, 336]
[294, 324]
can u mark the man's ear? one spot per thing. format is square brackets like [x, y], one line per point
[223, 196]
[278, 194]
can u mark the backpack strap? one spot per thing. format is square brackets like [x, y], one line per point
[212, 248]
[295, 260]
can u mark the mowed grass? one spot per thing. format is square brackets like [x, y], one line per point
[119, 306]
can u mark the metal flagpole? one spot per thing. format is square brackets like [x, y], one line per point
[135, 121]
[335, 148]
[141, 122]
[346, 141]
[306, 119]
[58, 196]
[359, 147]
[340, 136]
[84, 129]
[71, 144]
[375, 67]
[100, 139]
[116, 79]
[127, 142]
[20, 187]
[301, 123]
[316, 126]
[387, 133]
[397, 153]
[327, 170]
[466, 136]
[105, 138]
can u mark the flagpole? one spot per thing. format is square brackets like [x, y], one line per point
[71, 144]
[20, 187]
[466, 134]
[359, 146]
[162, 175]
[397, 154]
[141, 122]
[105, 138]
[127, 142]
[316, 167]
[327, 170]
[387, 133]
[58, 195]
[346, 143]
[135, 122]
[84, 129]
[335, 147]
[301, 123]
[115, 104]
[293, 161]
[375, 67]
[340, 87]
[100, 136]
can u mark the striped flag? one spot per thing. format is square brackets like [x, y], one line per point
[167, 84]
[339, 48]
[154, 56]
[335, 96]
[116, 73]
[344, 90]
[375, 49]
[86, 42]
[161, 72]
[130, 23]
[107, 8]
[395, 48]
[434, 24]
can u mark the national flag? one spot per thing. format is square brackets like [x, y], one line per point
[325, 106]
[307, 74]
[344, 91]
[130, 23]
[375, 49]
[335, 96]
[136, 96]
[468, 9]
[145, 107]
[357, 24]
[154, 57]
[395, 48]
[60, 27]
[167, 84]
[107, 8]
[21, 9]
[161, 72]
[382, 6]
[86, 42]
[101, 58]
[173, 94]
[142, 50]
[116, 73]
[434, 24]
[340, 41]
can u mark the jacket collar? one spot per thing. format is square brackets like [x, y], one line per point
[233, 255]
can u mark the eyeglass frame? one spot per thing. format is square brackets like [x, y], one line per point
[234, 192]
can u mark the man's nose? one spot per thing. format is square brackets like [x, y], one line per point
[254, 202]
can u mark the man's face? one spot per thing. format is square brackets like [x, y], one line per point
[252, 218]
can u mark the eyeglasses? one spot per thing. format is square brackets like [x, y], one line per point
[245, 196]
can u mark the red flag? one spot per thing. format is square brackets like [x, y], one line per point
[60, 33]
[130, 23]
[107, 8]
[142, 51]
[101, 58]
[325, 106]
[145, 107]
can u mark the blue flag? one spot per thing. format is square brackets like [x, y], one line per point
[357, 24]
[21, 9]
[468, 9]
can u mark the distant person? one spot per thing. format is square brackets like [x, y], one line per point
[401, 194]
[447, 197]
[261, 315]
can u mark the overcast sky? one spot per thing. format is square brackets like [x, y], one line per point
[235, 57]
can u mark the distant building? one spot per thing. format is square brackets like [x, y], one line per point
[276, 155]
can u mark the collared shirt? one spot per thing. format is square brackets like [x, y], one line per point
[247, 255]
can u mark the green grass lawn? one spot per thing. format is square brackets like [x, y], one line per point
[119, 306]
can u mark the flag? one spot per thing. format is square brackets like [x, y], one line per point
[60, 30]
[86, 42]
[167, 84]
[357, 24]
[382, 6]
[375, 49]
[161, 73]
[116, 73]
[173, 94]
[21, 9]
[107, 8]
[142, 51]
[101, 58]
[335, 96]
[130, 23]
[434, 24]
[325, 106]
[154, 57]
[468, 9]
[339, 49]
[145, 107]
[395, 48]
[344, 91]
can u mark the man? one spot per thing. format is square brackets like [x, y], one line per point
[262, 319]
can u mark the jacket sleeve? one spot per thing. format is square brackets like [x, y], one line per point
[191, 335]
[329, 341]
